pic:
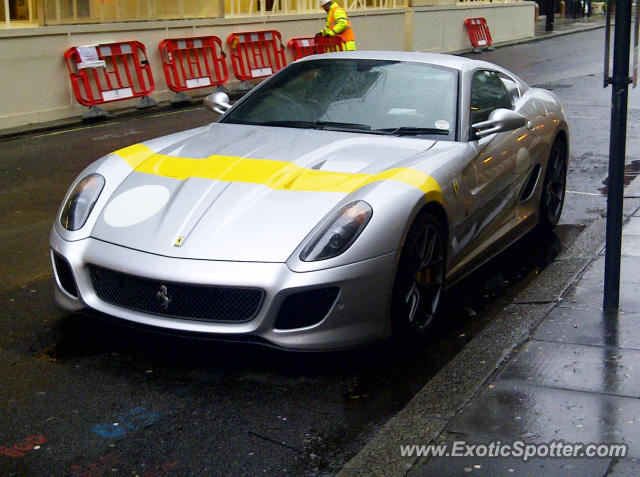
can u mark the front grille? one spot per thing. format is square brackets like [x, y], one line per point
[306, 308]
[176, 300]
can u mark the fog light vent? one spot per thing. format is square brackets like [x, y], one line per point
[306, 308]
[65, 275]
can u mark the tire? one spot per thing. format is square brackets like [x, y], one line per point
[419, 278]
[554, 186]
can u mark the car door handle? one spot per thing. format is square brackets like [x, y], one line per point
[529, 124]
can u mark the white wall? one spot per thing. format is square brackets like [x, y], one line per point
[441, 29]
[35, 83]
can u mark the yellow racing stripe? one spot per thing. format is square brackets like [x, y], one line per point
[278, 175]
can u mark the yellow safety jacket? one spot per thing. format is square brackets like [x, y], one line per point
[339, 24]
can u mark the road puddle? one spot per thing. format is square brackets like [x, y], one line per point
[631, 171]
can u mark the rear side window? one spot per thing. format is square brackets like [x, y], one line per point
[488, 92]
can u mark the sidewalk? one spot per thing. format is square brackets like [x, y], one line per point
[567, 25]
[552, 366]
[575, 379]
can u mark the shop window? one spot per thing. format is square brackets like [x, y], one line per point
[20, 12]
[106, 11]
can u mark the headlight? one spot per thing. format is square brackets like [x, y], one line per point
[338, 233]
[81, 201]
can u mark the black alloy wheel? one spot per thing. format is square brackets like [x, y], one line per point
[419, 278]
[554, 186]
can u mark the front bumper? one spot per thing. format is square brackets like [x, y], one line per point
[359, 315]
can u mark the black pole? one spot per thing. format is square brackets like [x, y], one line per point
[551, 10]
[617, 143]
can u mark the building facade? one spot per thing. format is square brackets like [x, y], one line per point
[34, 34]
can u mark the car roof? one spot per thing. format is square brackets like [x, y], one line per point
[450, 61]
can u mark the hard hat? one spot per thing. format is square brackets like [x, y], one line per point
[325, 2]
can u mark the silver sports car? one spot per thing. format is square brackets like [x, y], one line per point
[327, 208]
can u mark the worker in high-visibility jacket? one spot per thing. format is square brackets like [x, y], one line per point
[338, 24]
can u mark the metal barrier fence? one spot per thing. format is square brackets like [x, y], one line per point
[305, 46]
[256, 54]
[479, 34]
[110, 72]
[191, 63]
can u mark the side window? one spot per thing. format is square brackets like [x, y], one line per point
[488, 92]
[512, 88]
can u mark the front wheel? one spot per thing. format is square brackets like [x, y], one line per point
[554, 186]
[419, 277]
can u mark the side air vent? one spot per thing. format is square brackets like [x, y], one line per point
[530, 185]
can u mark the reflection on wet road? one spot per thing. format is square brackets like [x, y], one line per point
[111, 391]
[631, 171]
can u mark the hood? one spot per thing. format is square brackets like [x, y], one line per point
[240, 193]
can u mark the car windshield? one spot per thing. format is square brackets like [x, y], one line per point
[359, 95]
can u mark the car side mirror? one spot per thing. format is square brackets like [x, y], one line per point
[500, 120]
[217, 102]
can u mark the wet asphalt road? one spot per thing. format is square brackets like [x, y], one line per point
[82, 395]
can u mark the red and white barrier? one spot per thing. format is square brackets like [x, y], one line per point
[110, 72]
[301, 47]
[191, 63]
[479, 34]
[257, 54]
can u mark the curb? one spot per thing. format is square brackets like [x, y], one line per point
[555, 34]
[536, 39]
[78, 121]
[434, 406]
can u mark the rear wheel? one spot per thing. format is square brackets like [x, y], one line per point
[419, 278]
[554, 186]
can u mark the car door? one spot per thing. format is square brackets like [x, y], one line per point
[491, 174]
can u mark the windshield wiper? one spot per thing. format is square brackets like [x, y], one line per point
[289, 124]
[328, 125]
[411, 131]
[341, 126]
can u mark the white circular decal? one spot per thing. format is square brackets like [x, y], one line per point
[136, 205]
[442, 124]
